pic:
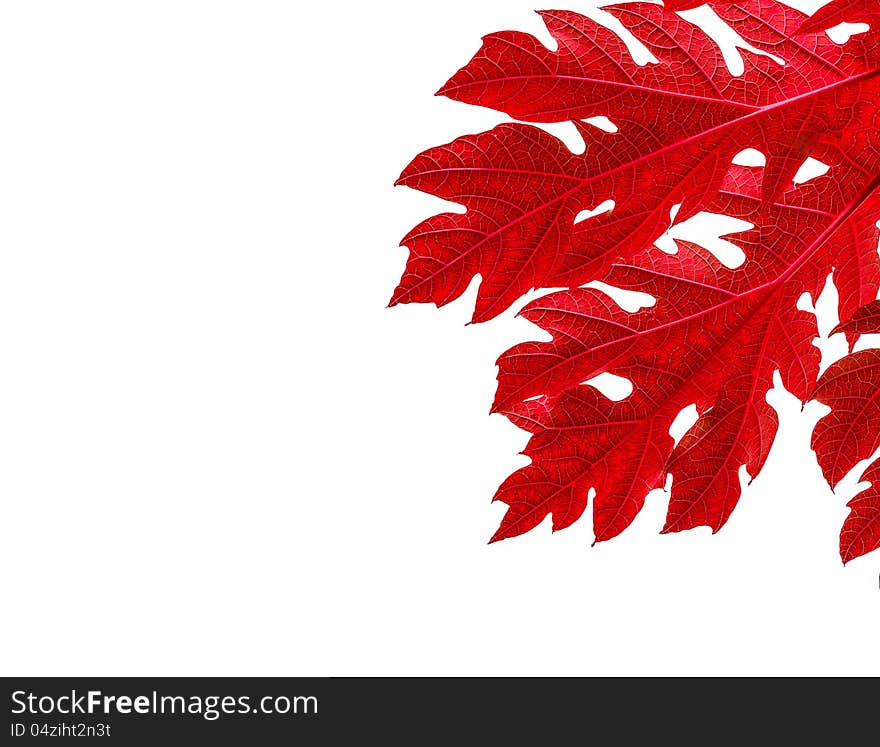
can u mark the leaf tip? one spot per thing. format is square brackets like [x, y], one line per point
[447, 88]
[396, 298]
[847, 554]
[497, 537]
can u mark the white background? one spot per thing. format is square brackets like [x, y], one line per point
[220, 454]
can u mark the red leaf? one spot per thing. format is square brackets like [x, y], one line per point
[679, 125]
[851, 431]
[840, 11]
[866, 320]
[861, 530]
[715, 336]
[591, 73]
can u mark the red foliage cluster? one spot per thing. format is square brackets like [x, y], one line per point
[715, 335]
